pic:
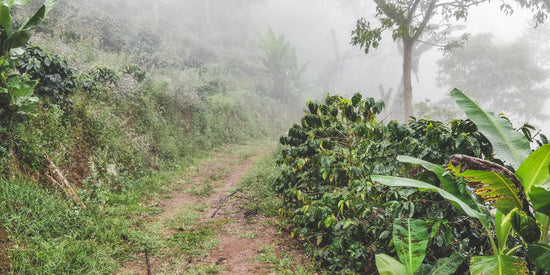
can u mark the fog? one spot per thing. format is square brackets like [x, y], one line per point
[321, 32]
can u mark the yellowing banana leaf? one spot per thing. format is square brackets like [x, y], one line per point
[493, 188]
[498, 265]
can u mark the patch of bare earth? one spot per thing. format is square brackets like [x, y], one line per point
[242, 234]
[4, 258]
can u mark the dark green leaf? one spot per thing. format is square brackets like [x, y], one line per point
[445, 266]
[540, 255]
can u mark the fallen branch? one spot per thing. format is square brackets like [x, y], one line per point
[56, 177]
[223, 201]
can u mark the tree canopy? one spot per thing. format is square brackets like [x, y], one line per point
[415, 21]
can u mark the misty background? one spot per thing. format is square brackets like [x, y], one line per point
[171, 32]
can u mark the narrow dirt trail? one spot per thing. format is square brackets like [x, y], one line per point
[245, 242]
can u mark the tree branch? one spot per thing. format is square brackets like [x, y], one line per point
[425, 20]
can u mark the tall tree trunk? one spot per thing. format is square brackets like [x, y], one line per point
[407, 82]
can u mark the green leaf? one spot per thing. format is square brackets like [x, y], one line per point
[493, 188]
[410, 238]
[5, 19]
[540, 255]
[509, 145]
[387, 265]
[484, 218]
[503, 226]
[10, 3]
[447, 265]
[534, 170]
[448, 182]
[22, 88]
[33, 21]
[19, 39]
[526, 227]
[497, 265]
[540, 198]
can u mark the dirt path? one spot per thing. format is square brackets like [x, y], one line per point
[206, 202]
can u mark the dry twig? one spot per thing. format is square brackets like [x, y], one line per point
[56, 177]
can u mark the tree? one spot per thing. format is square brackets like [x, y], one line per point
[281, 63]
[412, 21]
[484, 67]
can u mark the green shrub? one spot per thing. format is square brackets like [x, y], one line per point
[330, 200]
[57, 79]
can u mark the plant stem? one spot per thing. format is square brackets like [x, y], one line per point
[493, 244]
[513, 250]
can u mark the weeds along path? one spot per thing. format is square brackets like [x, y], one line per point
[206, 225]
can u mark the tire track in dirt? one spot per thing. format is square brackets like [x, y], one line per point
[243, 235]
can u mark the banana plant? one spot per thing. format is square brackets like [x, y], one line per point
[15, 89]
[410, 238]
[521, 199]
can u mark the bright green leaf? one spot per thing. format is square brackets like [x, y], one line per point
[540, 198]
[534, 170]
[509, 145]
[5, 19]
[503, 226]
[387, 265]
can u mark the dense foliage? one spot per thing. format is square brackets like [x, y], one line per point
[114, 127]
[331, 202]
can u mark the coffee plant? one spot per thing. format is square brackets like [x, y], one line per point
[333, 205]
[57, 79]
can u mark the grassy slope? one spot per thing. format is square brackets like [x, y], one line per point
[120, 146]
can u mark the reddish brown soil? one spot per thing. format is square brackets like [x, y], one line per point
[4, 258]
[242, 233]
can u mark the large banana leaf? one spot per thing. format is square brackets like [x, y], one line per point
[497, 265]
[483, 217]
[410, 238]
[494, 188]
[387, 265]
[540, 254]
[534, 170]
[509, 145]
[448, 182]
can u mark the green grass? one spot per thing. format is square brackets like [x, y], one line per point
[195, 242]
[282, 262]
[256, 185]
[186, 217]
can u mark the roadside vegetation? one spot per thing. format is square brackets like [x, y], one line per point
[91, 139]
[425, 197]
[103, 120]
